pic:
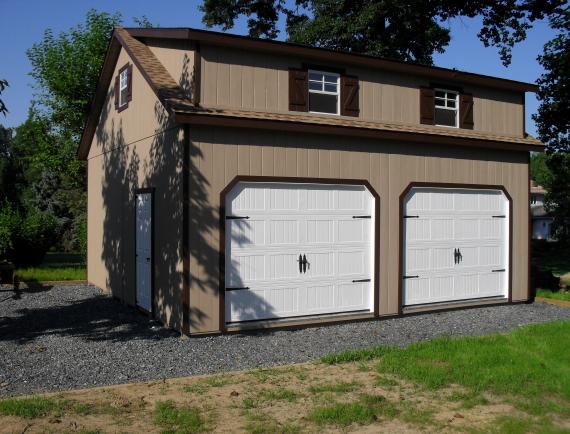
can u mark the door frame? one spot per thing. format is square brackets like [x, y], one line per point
[450, 185]
[137, 191]
[294, 180]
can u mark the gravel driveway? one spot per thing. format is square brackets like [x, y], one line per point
[65, 337]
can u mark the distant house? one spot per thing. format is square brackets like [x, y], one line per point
[541, 220]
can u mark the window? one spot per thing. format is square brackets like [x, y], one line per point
[446, 108]
[123, 87]
[324, 92]
[533, 199]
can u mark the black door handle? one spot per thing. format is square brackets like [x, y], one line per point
[300, 261]
[304, 264]
[459, 256]
[455, 256]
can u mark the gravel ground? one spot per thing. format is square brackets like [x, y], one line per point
[66, 337]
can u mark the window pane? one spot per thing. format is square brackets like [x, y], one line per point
[123, 97]
[322, 103]
[315, 76]
[314, 85]
[330, 87]
[445, 117]
[440, 102]
[451, 103]
[439, 94]
[330, 78]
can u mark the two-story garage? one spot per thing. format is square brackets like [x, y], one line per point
[237, 183]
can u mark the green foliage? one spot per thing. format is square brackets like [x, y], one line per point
[410, 31]
[9, 223]
[178, 420]
[66, 69]
[539, 171]
[365, 411]
[3, 85]
[560, 295]
[29, 408]
[354, 355]
[553, 123]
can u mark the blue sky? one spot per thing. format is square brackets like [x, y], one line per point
[22, 23]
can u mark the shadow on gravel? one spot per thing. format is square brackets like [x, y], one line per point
[18, 289]
[99, 318]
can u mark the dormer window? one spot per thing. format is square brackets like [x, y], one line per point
[446, 108]
[123, 87]
[324, 95]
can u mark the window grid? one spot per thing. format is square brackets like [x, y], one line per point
[447, 100]
[123, 84]
[325, 83]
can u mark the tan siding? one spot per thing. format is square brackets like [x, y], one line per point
[177, 56]
[388, 167]
[259, 81]
[133, 149]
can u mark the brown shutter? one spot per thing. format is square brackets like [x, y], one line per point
[117, 92]
[427, 106]
[349, 96]
[298, 90]
[129, 82]
[466, 111]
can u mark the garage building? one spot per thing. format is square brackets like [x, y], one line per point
[236, 183]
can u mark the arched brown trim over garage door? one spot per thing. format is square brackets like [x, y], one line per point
[484, 216]
[224, 218]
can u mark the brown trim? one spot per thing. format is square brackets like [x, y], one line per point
[152, 259]
[295, 180]
[323, 68]
[125, 106]
[327, 55]
[186, 231]
[342, 130]
[401, 254]
[197, 91]
[531, 293]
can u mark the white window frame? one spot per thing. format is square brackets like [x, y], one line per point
[123, 84]
[446, 99]
[324, 92]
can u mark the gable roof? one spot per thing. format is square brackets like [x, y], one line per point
[176, 101]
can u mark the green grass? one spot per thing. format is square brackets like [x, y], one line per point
[56, 266]
[177, 420]
[263, 423]
[342, 387]
[561, 295]
[365, 411]
[30, 408]
[279, 395]
[354, 356]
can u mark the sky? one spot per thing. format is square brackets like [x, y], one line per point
[22, 23]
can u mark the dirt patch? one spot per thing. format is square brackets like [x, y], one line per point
[279, 400]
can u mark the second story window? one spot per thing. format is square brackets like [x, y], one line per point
[324, 92]
[446, 108]
[123, 87]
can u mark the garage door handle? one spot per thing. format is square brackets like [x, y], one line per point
[410, 277]
[236, 217]
[498, 271]
[300, 261]
[360, 280]
[237, 288]
[361, 216]
[304, 264]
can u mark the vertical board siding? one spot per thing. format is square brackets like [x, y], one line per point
[258, 81]
[383, 165]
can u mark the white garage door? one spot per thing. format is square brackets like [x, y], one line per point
[298, 249]
[456, 245]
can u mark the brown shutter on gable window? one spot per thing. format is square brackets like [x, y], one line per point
[298, 90]
[129, 82]
[349, 105]
[117, 92]
[427, 105]
[466, 111]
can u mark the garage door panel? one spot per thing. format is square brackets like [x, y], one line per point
[471, 222]
[285, 221]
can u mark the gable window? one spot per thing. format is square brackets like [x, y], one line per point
[123, 87]
[324, 95]
[446, 108]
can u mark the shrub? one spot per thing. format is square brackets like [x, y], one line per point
[9, 224]
[37, 233]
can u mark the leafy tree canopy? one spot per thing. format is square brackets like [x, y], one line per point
[553, 123]
[410, 31]
[3, 85]
[539, 170]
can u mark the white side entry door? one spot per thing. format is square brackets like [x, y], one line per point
[144, 250]
[456, 245]
[298, 249]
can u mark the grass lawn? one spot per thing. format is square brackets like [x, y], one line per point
[549, 256]
[56, 266]
[547, 293]
[505, 383]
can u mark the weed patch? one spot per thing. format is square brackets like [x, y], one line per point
[342, 387]
[186, 420]
[363, 412]
[355, 355]
[30, 408]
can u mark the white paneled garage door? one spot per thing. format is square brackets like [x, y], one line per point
[298, 249]
[455, 245]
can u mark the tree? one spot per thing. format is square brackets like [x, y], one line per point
[410, 31]
[553, 123]
[539, 171]
[3, 85]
